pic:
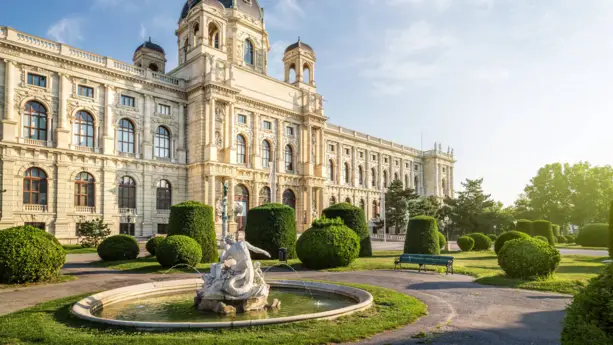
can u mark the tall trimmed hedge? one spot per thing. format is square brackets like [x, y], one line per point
[525, 226]
[544, 228]
[328, 244]
[611, 230]
[593, 235]
[270, 227]
[196, 220]
[442, 241]
[354, 219]
[556, 230]
[421, 237]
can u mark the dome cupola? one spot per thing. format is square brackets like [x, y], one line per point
[151, 56]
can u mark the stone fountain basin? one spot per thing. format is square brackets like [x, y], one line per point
[85, 308]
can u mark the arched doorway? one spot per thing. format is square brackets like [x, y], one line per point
[241, 206]
[289, 198]
[265, 195]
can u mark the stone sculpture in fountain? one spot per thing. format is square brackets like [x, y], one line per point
[235, 284]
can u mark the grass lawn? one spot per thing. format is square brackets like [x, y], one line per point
[60, 279]
[576, 246]
[52, 323]
[77, 249]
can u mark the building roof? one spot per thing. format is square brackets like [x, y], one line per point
[300, 44]
[250, 7]
[150, 45]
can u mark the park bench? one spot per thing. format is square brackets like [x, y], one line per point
[425, 259]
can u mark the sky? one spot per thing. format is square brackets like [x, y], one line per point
[510, 85]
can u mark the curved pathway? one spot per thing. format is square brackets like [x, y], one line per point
[459, 311]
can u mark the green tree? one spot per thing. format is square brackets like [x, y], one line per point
[92, 232]
[396, 205]
[468, 210]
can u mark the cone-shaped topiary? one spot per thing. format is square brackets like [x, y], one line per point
[28, 254]
[466, 243]
[482, 242]
[556, 230]
[544, 228]
[328, 244]
[442, 241]
[177, 250]
[270, 227]
[492, 237]
[118, 247]
[421, 236]
[611, 230]
[196, 220]
[593, 235]
[354, 219]
[525, 226]
[153, 243]
[507, 236]
[528, 258]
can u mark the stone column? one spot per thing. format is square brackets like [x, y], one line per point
[109, 135]
[147, 136]
[339, 164]
[256, 162]
[180, 147]
[309, 149]
[63, 131]
[148, 205]
[279, 149]
[309, 206]
[231, 184]
[109, 207]
[9, 125]
[354, 168]
[210, 197]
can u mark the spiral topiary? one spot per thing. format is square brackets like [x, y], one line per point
[562, 239]
[528, 258]
[118, 247]
[593, 235]
[442, 241]
[28, 254]
[482, 242]
[270, 227]
[466, 243]
[177, 250]
[492, 237]
[421, 236]
[153, 243]
[354, 219]
[541, 238]
[328, 244]
[507, 236]
[196, 220]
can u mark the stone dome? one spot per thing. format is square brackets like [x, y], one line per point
[299, 44]
[250, 7]
[150, 45]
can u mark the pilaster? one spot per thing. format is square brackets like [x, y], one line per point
[109, 134]
[63, 139]
[9, 125]
[147, 132]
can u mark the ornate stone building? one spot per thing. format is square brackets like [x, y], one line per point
[87, 136]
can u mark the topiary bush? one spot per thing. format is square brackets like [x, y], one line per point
[593, 235]
[588, 318]
[528, 258]
[507, 236]
[196, 220]
[562, 239]
[442, 241]
[611, 230]
[153, 243]
[328, 244]
[556, 230]
[28, 254]
[545, 229]
[270, 227]
[482, 242]
[421, 236]
[118, 247]
[177, 250]
[541, 238]
[354, 219]
[570, 238]
[525, 226]
[466, 243]
[492, 237]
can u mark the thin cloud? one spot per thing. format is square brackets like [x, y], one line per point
[66, 30]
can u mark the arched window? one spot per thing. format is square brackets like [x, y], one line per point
[375, 209]
[331, 170]
[83, 129]
[127, 192]
[265, 195]
[289, 198]
[266, 154]
[289, 158]
[362, 205]
[384, 178]
[163, 195]
[35, 121]
[396, 176]
[249, 58]
[161, 142]
[35, 187]
[196, 32]
[125, 136]
[346, 172]
[292, 73]
[306, 74]
[213, 36]
[84, 190]
[360, 176]
[373, 178]
[332, 200]
[348, 200]
[154, 67]
[241, 149]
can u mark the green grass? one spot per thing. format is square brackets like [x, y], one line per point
[52, 323]
[60, 279]
[576, 246]
[77, 249]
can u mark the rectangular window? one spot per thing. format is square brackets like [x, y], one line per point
[267, 125]
[374, 157]
[416, 167]
[37, 80]
[41, 226]
[162, 229]
[126, 229]
[163, 109]
[331, 147]
[407, 165]
[443, 169]
[242, 119]
[289, 131]
[128, 101]
[347, 151]
[361, 154]
[86, 91]
[385, 159]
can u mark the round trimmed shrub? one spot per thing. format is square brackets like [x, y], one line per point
[466, 243]
[541, 238]
[196, 220]
[354, 219]
[153, 243]
[442, 241]
[570, 238]
[556, 230]
[28, 254]
[562, 239]
[610, 242]
[482, 242]
[593, 235]
[525, 226]
[528, 258]
[492, 237]
[177, 250]
[421, 236]
[270, 227]
[328, 244]
[588, 318]
[507, 236]
[118, 247]
[545, 229]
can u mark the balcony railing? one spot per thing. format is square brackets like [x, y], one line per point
[35, 208]
[84, 209]
[127, 211]
[34, 142]
[163, 212]
[84, 148]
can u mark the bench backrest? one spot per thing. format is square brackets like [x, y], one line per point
[425, 256]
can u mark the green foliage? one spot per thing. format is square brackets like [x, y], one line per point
[468, 210]
[396, 205]
[153, 243]
[593, 235]
[570, 238]
[328, 244]
[544, 228]
[492, 237]
[588, 318]
[421, 236]
[354, 219]
[525, 226]
[611, 230]
[270, 227]
[28, 254]
[92, 232]
[118, 247]
[562, 239]
[196, 220]
[442, 241]
[466, 243]
[528, 258]
[507, 236]
[482, 242]
[541, 238]
[177, 250]
[556, 230]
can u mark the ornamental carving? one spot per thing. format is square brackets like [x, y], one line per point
[218, 140]
[220, 112]
[37, 95]
[72, 105]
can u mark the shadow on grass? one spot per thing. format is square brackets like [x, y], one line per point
[580, 269]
